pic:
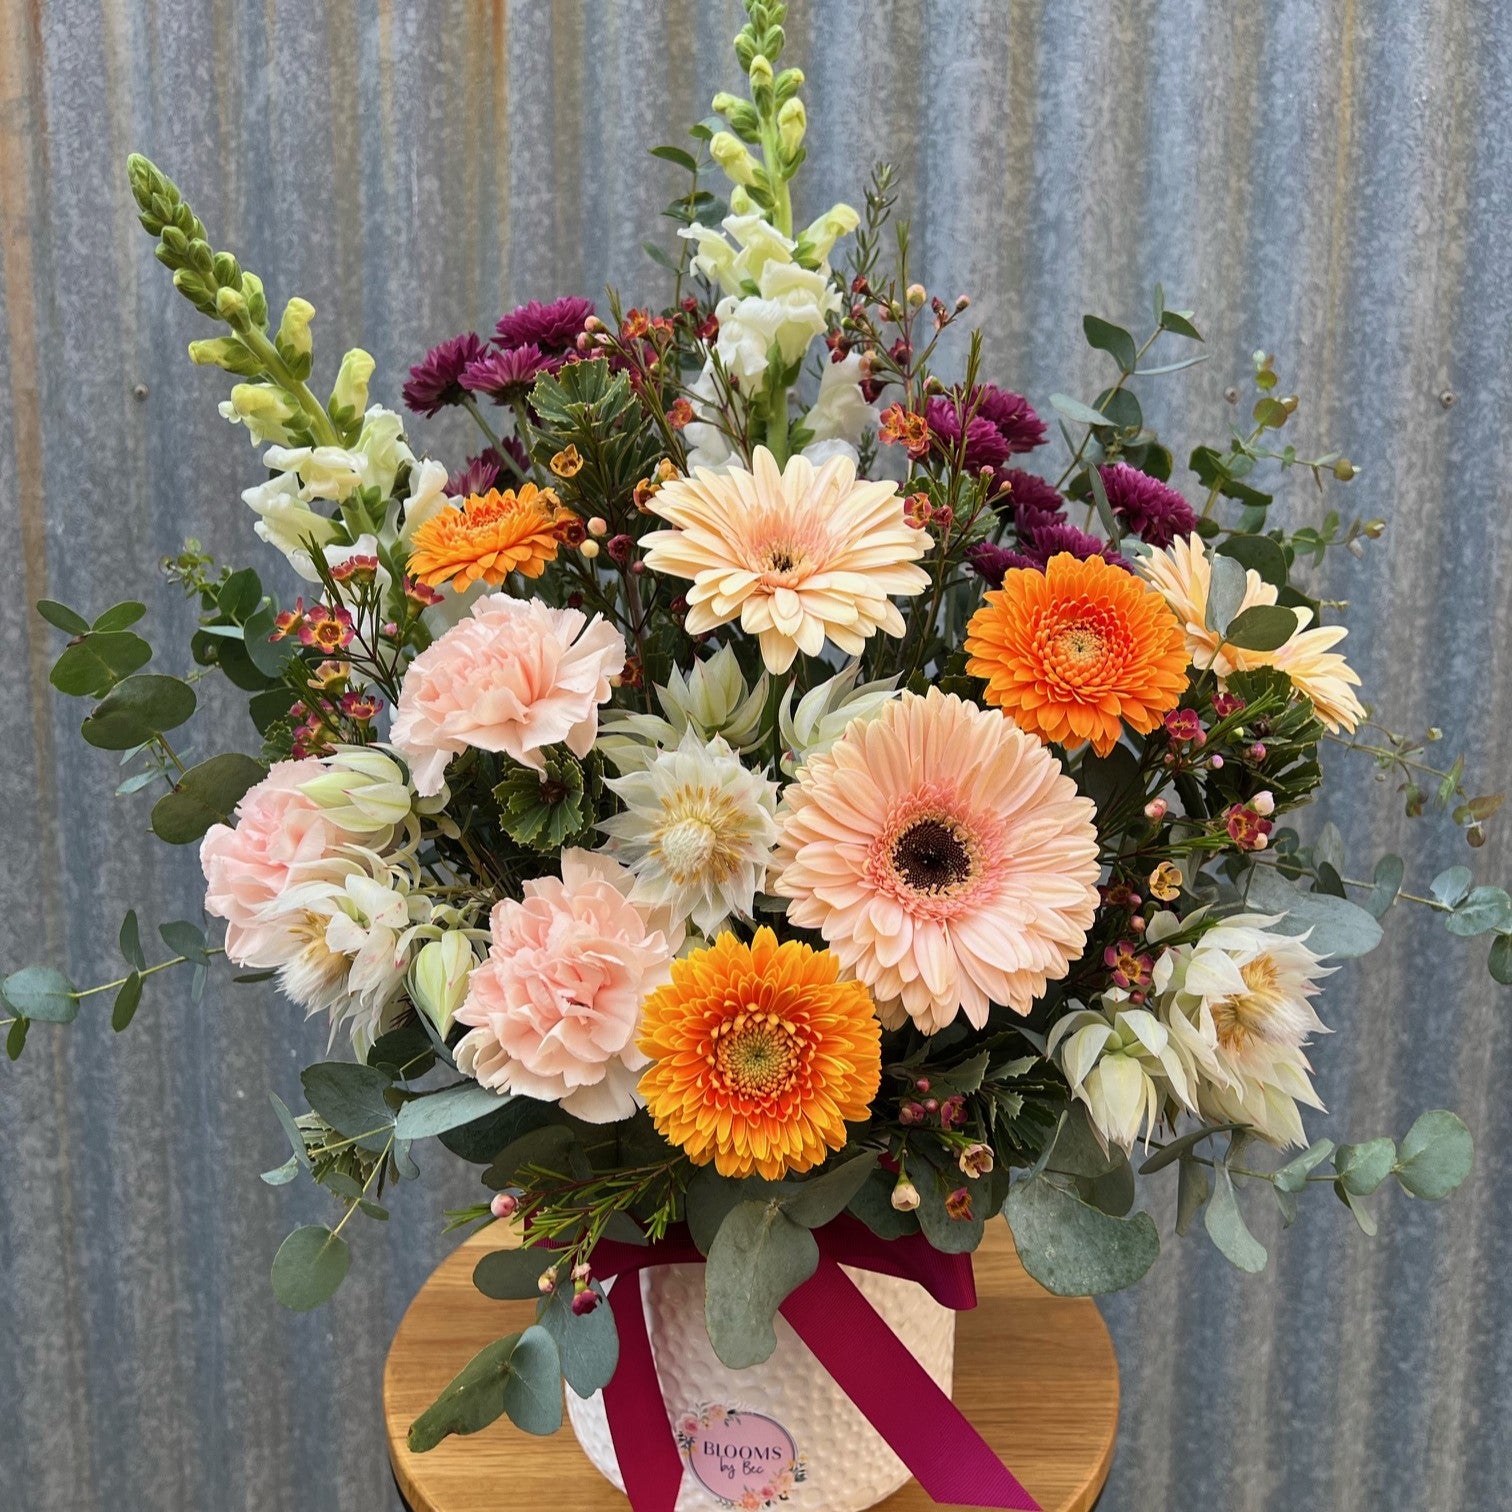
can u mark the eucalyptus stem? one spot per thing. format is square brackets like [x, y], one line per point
[146, 971]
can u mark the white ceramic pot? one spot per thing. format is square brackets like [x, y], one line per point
[781, 1434]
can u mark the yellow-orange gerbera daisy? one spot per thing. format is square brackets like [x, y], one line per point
[760, 1055]
[489, 537]
[1078, 651]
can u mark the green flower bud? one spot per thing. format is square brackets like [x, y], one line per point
[792, 122]
[761, 82]
[351, 391]
[739, 166]
[363, 790]
[438, 977]
[257, 301]
[227, 270]
[294, 342]
[225, 352]
[231, 306]
[265, 410]
[789, 82]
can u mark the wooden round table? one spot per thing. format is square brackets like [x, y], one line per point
[1035, 1373]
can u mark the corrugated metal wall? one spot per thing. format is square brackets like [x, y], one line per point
[1326, 178]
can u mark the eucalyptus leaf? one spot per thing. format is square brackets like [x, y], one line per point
[309, 1267]
[1184, 1144]
[1261, 555]
[1071, 1248]
[127, 1000]
[1077, 412]
[1499, 962]
[1193, 1188]
[511, 1275]
[120, 616]
[130, 940]
[1261, 627]
[951, 1236]
[1450, 886]
[184, 939]
[61, 617]
[1337, 927]
[1225, 592]
[1483, 910]
[759, 1257]
[587, 1343]
[284, 1174]
[96, 662]
[350, 1098]
[1292, 1177]
[519, 1375]
[820, 1198]
[1104, 336]
[1363, 1167]
[42, 994]
[204, 795]
[449, 1108]
[1436, 1155]
[873, 1206]
[1227, 1229]
[136, 709]
[1389, 872]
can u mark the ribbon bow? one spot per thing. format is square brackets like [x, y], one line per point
[896, 1395]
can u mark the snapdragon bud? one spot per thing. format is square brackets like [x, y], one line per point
[761, 81]
[225, 352]
[351, 391]
[738, 164]
[231, 306]
[792, 122]
[294, 341]
[439, 976]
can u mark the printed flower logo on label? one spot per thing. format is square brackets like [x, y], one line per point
[748, 1461]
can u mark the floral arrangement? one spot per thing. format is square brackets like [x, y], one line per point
[758, 785]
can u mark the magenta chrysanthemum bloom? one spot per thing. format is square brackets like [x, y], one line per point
[1029, 499]
[1055, 536]
[436, 380]
[486, 469]
[505, 373]
[985, 446]
[554, 327]
[992, 562]
[1012, 416]
[1153, 510]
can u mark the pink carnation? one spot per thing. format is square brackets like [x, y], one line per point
[279, 836]
[553, 1011]
[514, 677]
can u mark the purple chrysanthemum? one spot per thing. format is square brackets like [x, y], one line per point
[436, 380]
[985, 446]
[1012, 416]
[1055, 536]
[992, 562]
[1028, 498]
[554, 327]
[1152, 510]
[486, 470]
[505, 373]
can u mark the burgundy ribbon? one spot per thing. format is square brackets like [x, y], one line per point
[896, 1395]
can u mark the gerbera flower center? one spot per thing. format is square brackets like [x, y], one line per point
[782, 557]
[932, 856]
[756, 1055]
[1250, 1015]
[1081, 642]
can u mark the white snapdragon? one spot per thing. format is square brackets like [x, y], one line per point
[840, 415]
[337, 472]
[792, 307]
[286, 521]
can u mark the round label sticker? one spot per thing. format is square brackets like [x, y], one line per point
[747, 1460]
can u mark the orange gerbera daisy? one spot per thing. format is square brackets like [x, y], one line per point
[760, 1055]
[1078, 651]
[489, 537]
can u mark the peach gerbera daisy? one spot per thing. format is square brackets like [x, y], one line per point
[944, 856]
[800, 556]
[1077, 652]
[489, 537]
[1183, 576]
[761, 1055]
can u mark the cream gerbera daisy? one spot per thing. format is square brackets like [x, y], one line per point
[697, 832]
[1184, 577]
[945, 858]
[800, 556]
[1238, 1006]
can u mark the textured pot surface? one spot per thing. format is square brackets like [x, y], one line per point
[781, 1434]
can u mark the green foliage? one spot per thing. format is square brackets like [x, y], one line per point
[758, 1258]
[351, 1099]
[41, 994]
[587, 1343]
[1070, 1247]
[1435, 1156]
[309, 1267]
[94, 663]
[519, 1375]
[511, 1275]
[1227, 1229]
[204, 795]
[445, 1109]
[546, 810]
[1338, 927]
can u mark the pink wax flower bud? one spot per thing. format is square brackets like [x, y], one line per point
[504, 1206]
